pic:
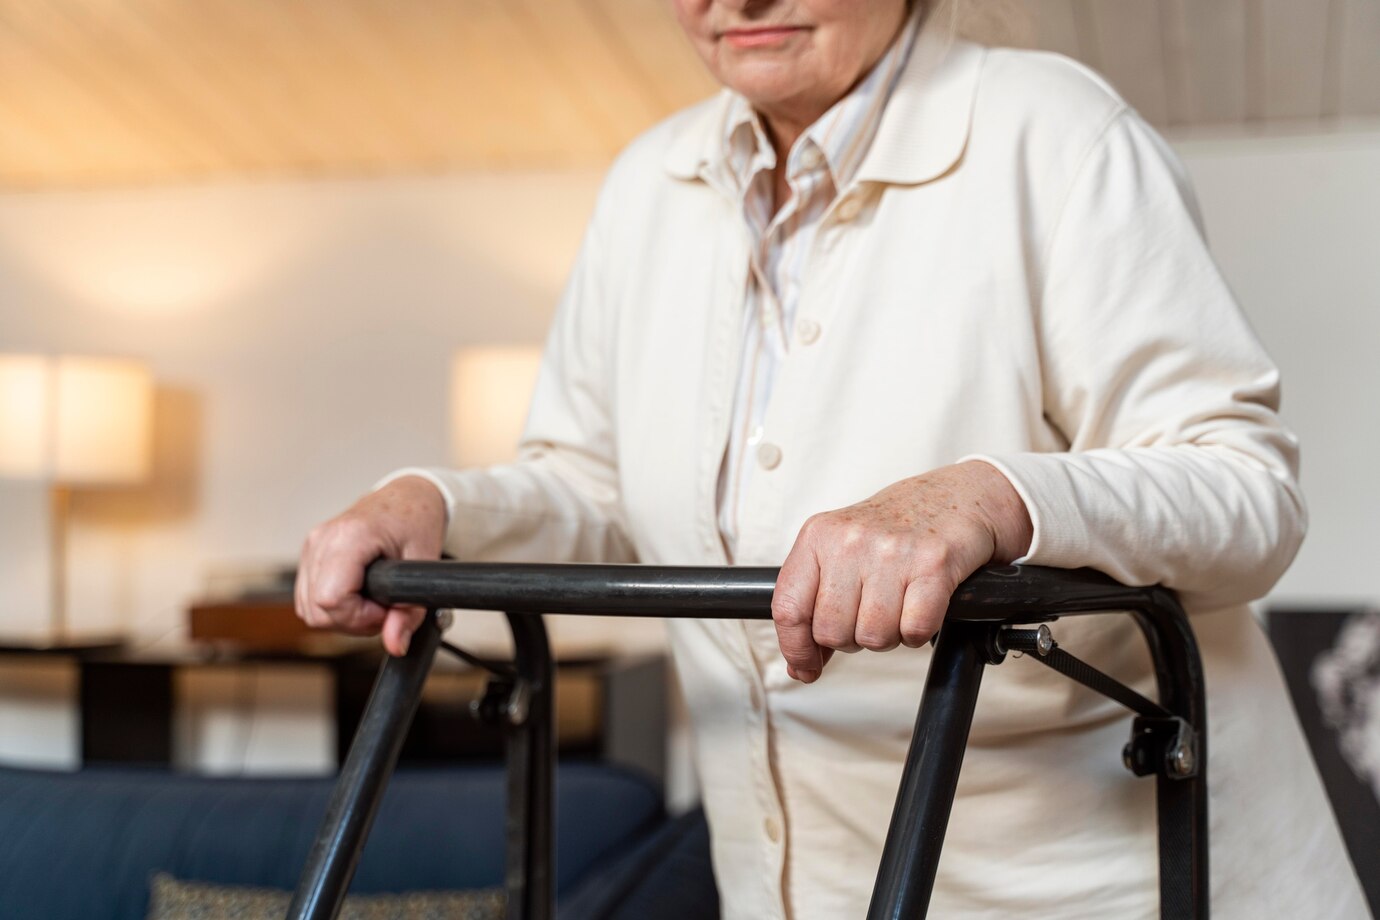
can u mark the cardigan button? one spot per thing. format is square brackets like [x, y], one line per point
[807, 331]
[773, 829]
[768, 456]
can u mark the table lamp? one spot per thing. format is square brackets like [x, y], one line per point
[490, 387]
[73, 421]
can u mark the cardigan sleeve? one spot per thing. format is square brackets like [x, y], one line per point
[560, 500]
[1178, 469]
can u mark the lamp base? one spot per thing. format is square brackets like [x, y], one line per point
[59, 507]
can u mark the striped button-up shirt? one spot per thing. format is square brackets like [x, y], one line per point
[822, 162]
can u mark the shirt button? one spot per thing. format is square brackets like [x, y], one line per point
[849, 209]
[807, 331]
[810, 157]
[773, 829]
[768, 456]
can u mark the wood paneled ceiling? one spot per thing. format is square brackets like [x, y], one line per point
[135, 91]
[1202, 62]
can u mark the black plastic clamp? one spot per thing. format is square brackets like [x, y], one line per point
[1167, 746]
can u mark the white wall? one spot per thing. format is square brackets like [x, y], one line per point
[1295, 224]
[301, 333]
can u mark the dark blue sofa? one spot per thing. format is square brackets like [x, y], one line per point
[83, 846]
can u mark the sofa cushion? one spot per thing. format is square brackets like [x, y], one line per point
[84, 846]
[668, 876]
[173, 899]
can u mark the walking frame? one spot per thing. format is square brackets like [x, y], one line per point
[989, 616]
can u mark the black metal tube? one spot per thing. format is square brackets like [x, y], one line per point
[531, 752]
[1181, 804]
[610, 590]
[359, 790]
[910, 857]
[994, 595]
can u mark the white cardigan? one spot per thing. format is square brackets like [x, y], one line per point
[1018, 272]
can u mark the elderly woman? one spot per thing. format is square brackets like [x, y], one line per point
[961, 296]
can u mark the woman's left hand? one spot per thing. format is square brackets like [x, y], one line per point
[880, 573]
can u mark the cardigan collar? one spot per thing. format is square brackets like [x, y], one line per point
[923, 131]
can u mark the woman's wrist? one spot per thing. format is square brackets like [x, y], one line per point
[1001, 510]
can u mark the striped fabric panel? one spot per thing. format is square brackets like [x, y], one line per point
[822, 161]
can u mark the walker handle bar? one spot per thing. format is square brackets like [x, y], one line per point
[980, 613]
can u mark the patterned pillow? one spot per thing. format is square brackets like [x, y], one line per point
[173, 899]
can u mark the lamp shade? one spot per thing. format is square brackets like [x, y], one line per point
[75, 420]
[490, 388]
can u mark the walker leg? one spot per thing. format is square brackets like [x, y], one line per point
[530, 730]
[1181, 804]
[357, 794]
[910, 858]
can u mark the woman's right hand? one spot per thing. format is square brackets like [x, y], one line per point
[405, 519]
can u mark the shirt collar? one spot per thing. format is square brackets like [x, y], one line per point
[921, 131]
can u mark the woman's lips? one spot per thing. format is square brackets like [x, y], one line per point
[761, 38]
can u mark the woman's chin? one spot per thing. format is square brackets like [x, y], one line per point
[764, 85]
